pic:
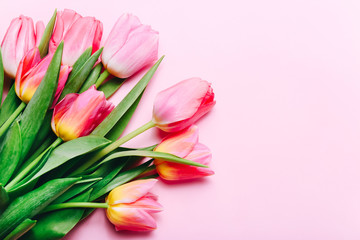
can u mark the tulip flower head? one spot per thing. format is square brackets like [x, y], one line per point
[20, 37]
[129, 47]
[181, 105]
[30, 73]
[184, 144]
[78, 34]
[78, 114]
[130, 206]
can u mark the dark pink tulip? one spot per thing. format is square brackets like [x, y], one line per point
[30, 73]
[78, 114]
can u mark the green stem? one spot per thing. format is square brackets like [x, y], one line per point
[28, 168]
[102, 78]
[74, 205]
[112, 147]
[13, 116]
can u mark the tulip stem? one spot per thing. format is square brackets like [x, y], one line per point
[13, 116]
[29, 167]
[112, 147]
[102, 78]
[74, 205]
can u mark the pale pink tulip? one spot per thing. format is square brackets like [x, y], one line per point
[184, 144]
[129, 47]
[130, 206]
[30, 73]
[78, 114]
[181, 105]
[18, 40]
[78, 34]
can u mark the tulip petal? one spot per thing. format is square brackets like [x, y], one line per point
[118, 36]
[130, 192]
[40, 28]
[175, 171]
[132, 219]
[182, 104]
[180, 144]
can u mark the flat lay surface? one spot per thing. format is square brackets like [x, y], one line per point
[284, 132]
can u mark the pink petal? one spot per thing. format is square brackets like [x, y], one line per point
[40, 28]
[180, 144]
[182, 104]
[130, 192]
[131, 219]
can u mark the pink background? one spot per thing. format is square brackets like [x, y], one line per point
[285, 130]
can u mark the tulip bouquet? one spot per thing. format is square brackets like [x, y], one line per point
[61, 153]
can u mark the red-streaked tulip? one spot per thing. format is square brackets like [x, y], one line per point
[78, 114]
[129, 47]
[181, 105]
[78, 33]
[130, 206]
[30, 73]
[183, 144]
[18, 40]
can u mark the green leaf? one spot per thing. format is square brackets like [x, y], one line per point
[120, 126]
[122, 178]
[44, 42]
[10, 153]
[76, 80]
[70, 150]
[55, 225]
[10, 104]
[20, 230]
[111, 86]
[80, 61]
[73, 191]
[1, 77]
[101, 184]
[4, 198]
[109, 122]
[157, 155]
[32, 203]
[34, 113]
[91, 80]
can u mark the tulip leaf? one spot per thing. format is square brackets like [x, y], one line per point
[70, 150]
[157, 155]
[35, 112]
[30, 204]
[120, 179]
[110, 121]
[80, 61]
[10, 104]
[120, 126]
[4, 198]
[77, 189]
[77, 79]
[45, 39]
[20, 230]
[55, 225]
[1, 77]
[91, 79]
[10, 153]
[111, 86]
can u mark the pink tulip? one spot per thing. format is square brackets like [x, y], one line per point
[130, 206]
[18, 40]
[78, 33]
[181, 105]
[183, 144]
[129, 47]
[78, 114]
[30, 73]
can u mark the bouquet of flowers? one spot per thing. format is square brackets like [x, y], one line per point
[61, 153]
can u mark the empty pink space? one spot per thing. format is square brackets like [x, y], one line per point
[285, 132]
